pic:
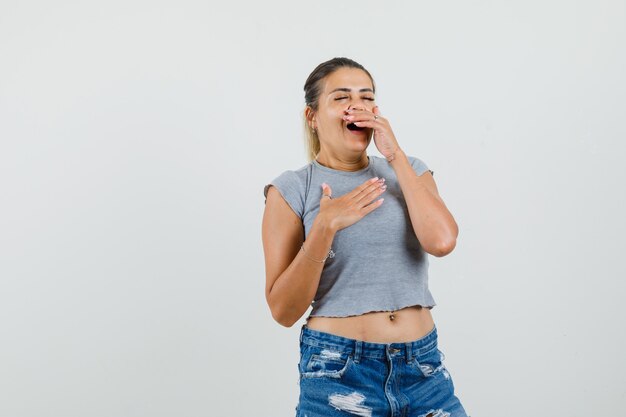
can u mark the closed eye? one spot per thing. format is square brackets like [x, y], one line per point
[364, 98]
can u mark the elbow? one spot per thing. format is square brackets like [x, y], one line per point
[443, 248]
[446, 243]
[280, 316]
[282, 319]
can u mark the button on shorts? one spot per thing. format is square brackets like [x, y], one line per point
[345, 377]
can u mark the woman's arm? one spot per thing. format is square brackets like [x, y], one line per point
[291, 278]
[433, 224]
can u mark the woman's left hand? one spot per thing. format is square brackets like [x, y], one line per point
[384, 139]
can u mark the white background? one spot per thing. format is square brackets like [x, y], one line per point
[137, 136]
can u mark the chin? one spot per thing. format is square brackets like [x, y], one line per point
[360, 146]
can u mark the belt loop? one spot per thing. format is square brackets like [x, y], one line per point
[358, 347]
[409, 353]
[301, 331]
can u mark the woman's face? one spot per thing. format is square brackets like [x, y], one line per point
[344, 89]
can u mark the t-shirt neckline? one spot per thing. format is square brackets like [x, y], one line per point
[338, 171]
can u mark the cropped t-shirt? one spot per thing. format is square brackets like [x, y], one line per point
[378, 263]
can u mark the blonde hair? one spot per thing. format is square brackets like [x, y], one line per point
[313, 88]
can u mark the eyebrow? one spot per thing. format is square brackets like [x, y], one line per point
[349, 90]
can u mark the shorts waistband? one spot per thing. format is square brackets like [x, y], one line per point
[373, 350]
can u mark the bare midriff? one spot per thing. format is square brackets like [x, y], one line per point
[408, 324]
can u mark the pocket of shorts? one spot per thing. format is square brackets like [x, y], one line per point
[430, 363]
[323, 362]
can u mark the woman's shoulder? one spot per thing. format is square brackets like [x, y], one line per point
[292, 185]
[291, 178]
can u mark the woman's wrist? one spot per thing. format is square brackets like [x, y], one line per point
[325, 225]
[397, 155]
[392, 155]
[321, 235]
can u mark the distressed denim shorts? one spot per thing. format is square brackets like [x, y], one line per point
[345, 377]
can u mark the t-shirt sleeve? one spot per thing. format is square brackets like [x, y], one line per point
[420, 166]
[290, 187]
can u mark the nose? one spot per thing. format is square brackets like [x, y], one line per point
[358, 104]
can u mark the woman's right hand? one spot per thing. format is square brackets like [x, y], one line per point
[351, 207]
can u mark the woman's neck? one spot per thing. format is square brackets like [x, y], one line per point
[343, 164]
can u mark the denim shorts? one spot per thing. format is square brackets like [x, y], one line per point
[345, 377]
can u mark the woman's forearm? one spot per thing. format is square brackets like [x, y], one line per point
[295, 288]
[433, 224]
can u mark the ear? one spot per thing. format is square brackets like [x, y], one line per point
[310, 115]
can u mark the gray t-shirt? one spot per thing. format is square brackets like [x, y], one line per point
[379, 265]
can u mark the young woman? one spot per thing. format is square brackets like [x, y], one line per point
[349, 234]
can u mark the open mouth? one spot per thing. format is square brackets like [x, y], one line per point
[352, 126]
